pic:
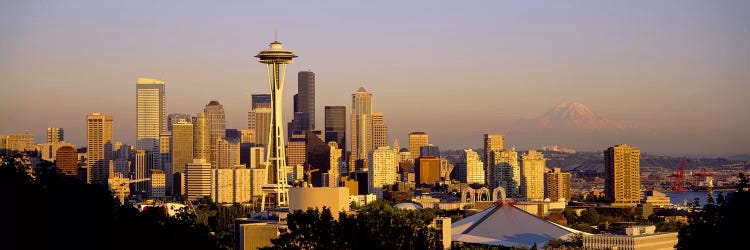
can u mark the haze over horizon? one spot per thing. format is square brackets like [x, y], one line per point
[677, 70]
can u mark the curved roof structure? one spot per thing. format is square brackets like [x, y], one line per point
[508, 226]
[408, 206]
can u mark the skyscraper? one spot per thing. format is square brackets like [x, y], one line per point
[66, 161]
[257, 157]
[151, 117]
[416, 141]
[55, 135]
[504, 171]
[470, 168]
[361, 135]
[306, 99]
[557, 185]
[165, 154]
[622, 175]
[158, 183]
[99, 143]
[182, 148]
[263, 126]
[20, 142]
[296, 152]
[429, 150]
[379, 131]
[334, 173]
[276, 58]
[258, 126]
[227, 154]
[142, 169]
[492, 142]
[261, 101]
[427, 170]
[247, 136]
[201, 138]
[216, 127]
[174, 118]
[232, 134]
[335, 125]
[197, 179]
[381, 170]
[532, 175]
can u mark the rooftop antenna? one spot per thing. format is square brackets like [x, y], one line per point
[276, 34]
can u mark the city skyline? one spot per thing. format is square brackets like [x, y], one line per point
[674, 70]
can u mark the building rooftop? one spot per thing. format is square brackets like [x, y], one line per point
[149, 81]
[507, 225]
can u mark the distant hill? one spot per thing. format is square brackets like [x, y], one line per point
[570, 116]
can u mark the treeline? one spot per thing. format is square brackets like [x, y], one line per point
[48, 210]
[722, 223]
[376, 226]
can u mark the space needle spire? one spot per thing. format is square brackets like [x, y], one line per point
[276, 58]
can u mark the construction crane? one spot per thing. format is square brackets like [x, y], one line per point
[121, 186]
[679, 178]
[308, 174]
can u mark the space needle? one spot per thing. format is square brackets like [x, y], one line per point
[276, 58]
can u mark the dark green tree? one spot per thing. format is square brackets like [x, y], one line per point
[376, 226]
[47, 210]
[720, 225]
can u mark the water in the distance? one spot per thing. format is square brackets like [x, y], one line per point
[677, 198]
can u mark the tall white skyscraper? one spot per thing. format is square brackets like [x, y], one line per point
[381, 170]
[361, 120]
[504, 171]
[470, 169]
[532, 175]
[217, 128]
[151, 117]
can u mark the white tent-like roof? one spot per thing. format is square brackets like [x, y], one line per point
[506, 225]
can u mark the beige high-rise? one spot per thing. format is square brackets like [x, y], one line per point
[20, 142]
[416, 141]
[470, 168]
[492, 142]
[99, 144]
[379, 131]
[296, 150]
[182, 145]
[55, 135]
[504, 171]
[201, 138]
[361, 129]
[216, 126]
[333, 170]
[262, 126]
[151, 118]
[557, 185]
[533, 167]
[622, 175]
[381, 170]
[198, 180]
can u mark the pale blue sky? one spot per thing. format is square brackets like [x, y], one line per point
[680, 70]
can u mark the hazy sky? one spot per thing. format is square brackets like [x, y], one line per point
[678, 69]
